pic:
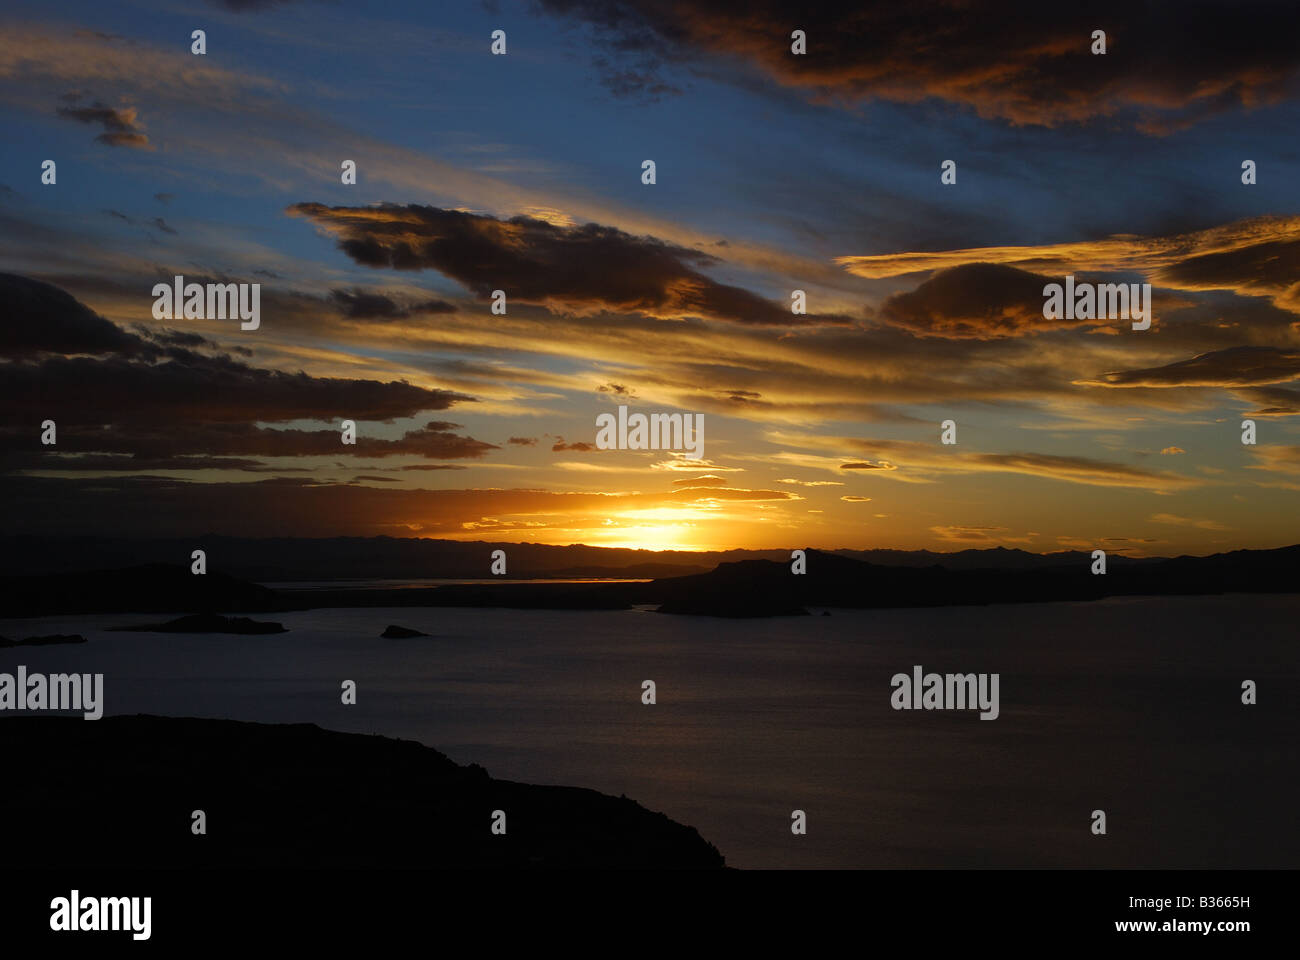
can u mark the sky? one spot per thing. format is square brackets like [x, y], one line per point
[774, 172]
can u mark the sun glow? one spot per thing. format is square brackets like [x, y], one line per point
[660, 528]
[648, 538]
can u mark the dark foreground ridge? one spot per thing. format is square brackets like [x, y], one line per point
[120, 792]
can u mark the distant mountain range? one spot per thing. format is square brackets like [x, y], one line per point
[351, 558]
[734, 588]
[766, 588]
[381, 558]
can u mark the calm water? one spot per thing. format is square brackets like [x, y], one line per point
[1129, 705]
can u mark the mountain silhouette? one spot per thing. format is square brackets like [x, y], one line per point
[832, 580]
[151, 588]
[739, 588]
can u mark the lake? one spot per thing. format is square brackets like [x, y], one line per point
[1128, 705]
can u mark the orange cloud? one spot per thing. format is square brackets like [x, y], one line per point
[1256, 257]
[1234, 367]
[913, 461]
[1026, 62]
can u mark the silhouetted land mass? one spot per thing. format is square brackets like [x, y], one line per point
[153, 588]
[993, 558]
[271, 559]
[746, 588]
[833, 580]
[299, 796]
[749, 587]
[394, 632]
[280, 559]
[50, 639]
[208, 623]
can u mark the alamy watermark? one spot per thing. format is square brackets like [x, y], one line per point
[58, 691]
[946, 691]
[75, 913]
[657, 431]
[211, 301]
[1098, 301]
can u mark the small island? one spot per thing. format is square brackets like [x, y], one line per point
[207, 623]
[45, 641]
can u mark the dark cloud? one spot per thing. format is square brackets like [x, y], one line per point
[977, 301]
[640, 81]
[1024, 62]
[138, 447]
[1267, 267]
[248, 6]
[1234, 367]
[185, 339]
[154, 397]
[360, 304]
[581, 446]
[580, 268]
[1273, 401]
[435, 441]
[99, 34]
[198, 388]
[48, 331]
[120, 126]
[47, 459]
[40, 318]
[522, 441]
[156, 223]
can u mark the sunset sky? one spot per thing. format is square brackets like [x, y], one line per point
[775, 172]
